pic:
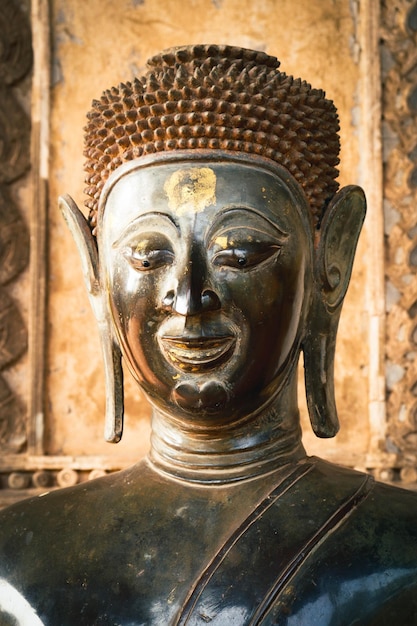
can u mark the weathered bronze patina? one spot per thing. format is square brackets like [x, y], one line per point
[218, 248]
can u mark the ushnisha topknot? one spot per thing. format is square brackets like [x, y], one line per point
[216, 97]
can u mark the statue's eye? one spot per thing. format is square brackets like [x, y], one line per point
[242, 252]
[244, 257]
[149, 254]
[150, 260]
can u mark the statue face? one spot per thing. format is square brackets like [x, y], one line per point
[208, 271]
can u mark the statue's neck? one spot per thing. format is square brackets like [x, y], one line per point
[250, 448]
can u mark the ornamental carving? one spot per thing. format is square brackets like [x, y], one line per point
[399, 105]
[15, 63]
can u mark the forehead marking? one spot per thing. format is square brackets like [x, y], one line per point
[191, 188]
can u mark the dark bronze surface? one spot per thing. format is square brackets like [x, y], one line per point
[209, 275]
[308, 544]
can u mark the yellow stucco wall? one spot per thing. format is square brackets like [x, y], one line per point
[98, 43]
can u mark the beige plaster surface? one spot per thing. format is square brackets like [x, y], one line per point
[99, 43]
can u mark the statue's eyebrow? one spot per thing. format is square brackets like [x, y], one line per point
[145, 217]
[229, 210]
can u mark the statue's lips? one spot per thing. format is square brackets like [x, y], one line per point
[197, 353]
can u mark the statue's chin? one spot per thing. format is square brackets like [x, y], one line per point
[210, 396]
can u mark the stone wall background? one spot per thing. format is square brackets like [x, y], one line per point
[332, 44]
[15, 198]
[399, 73]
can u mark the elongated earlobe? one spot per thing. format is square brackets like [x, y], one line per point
[112, 357]
[87, 248]
[319, 352]
[335, 253]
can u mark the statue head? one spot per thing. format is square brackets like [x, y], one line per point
[217, 245]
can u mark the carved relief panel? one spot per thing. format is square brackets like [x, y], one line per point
[15, 65]
[399, 108]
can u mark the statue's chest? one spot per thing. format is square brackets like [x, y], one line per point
[116, 568]
[210, 558]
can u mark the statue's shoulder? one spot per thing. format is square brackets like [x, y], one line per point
[375, 509]
[376, 494]
[363, 554]
[62, 513]
[325, 532]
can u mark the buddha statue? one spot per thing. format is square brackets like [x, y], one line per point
[217, 248]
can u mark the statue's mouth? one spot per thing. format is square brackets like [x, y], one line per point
[193, 354]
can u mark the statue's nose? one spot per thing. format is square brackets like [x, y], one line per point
[192, 296]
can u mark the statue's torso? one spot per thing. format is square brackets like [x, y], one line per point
[308, 544]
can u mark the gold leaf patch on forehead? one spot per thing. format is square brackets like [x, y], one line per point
[191, 188]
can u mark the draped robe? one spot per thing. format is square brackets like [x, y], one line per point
[310, 543]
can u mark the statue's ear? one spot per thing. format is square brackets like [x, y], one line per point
[85, 242]
[340, 232]
[335, 253]
[87, 249]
